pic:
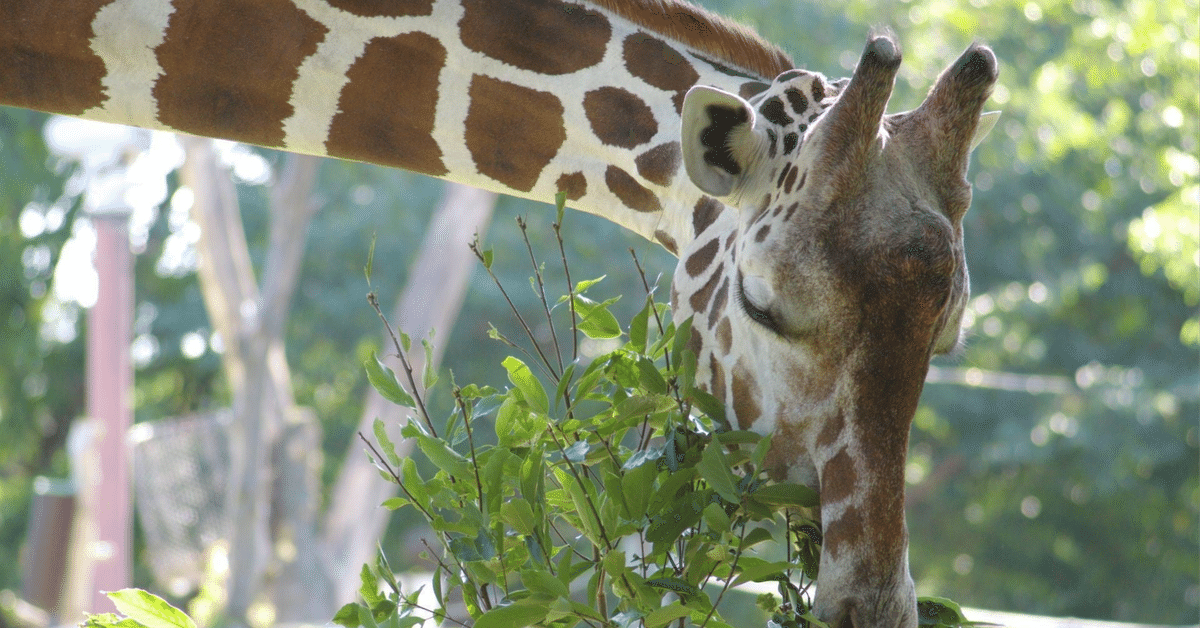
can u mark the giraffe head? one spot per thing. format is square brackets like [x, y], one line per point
[832, 272]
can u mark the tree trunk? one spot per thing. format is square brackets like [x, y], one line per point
[250, 323]
[275, 447]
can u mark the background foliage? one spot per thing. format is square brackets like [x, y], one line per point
[1067, 488]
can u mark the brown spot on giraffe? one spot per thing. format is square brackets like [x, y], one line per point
[845, 531]
[667, 241]
[718, 303]
[790, 181]
[654, 61]
[574, 184]
[839, 478]
[619, 117]
[519, 33]
[60, 73]
[384, 8]
[745, 396]
[370, 127]
[634, 195]
[223, 78]
[512, 149]
[659, 164]
[702, 258]
[706, 211]
[724, 335]
[699, 298]
[762, 232]
[717, 387]
[831, 430]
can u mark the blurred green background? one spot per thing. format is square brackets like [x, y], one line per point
[1053, 466]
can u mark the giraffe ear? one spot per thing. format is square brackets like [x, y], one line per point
[987, 121]
[719, 141]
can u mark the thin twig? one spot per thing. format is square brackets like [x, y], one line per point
[570, 293]
[408, 370]
[521, 319]
[541, 290]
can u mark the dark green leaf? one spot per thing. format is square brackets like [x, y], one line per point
[384, 381]
[787, 494]
[513, 616]
[714, 468]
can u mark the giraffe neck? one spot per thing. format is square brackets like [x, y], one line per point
[522, 97]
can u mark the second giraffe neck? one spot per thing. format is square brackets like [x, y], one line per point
[524, 97]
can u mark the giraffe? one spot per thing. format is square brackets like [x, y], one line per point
[820, 240]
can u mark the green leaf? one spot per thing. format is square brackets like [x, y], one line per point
[667, 614]
[755, 569]
[649, 377]
[395, 503]
[370, 586]
[542, 581]
[754, 537]
[384, 381]
[683, 334]
[370, 260]
[681, 515]
[578, 451]
[429, 377]
[787, 494]
[513, 616]
[442, 457]
[531, 389]
[638, 326]
[583, 286]
[716, 519]
[385, 443]
[714, 468]
[347, 616]
[149, 610]
[595, 319]
[518, 514]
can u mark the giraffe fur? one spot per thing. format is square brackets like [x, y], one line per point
[819, 239]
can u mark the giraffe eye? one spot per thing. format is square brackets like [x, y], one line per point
[756, 314]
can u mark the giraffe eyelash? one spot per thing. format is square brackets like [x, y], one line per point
[756, 314]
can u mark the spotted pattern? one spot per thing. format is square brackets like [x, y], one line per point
[224, 38]
[574, 184]
[369, 127]
[632, 194]
[656, 62]
[745, 396]
[513, 149]
[619, 117]
[706, 211]
[504, 29]
[697, 262]
[384, 8]
[659, 164]
[57, 75]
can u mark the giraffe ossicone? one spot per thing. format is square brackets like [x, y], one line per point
[819, 239]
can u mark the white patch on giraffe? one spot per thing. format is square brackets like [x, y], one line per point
[126, 34]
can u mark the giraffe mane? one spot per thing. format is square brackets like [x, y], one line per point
[706, 32]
